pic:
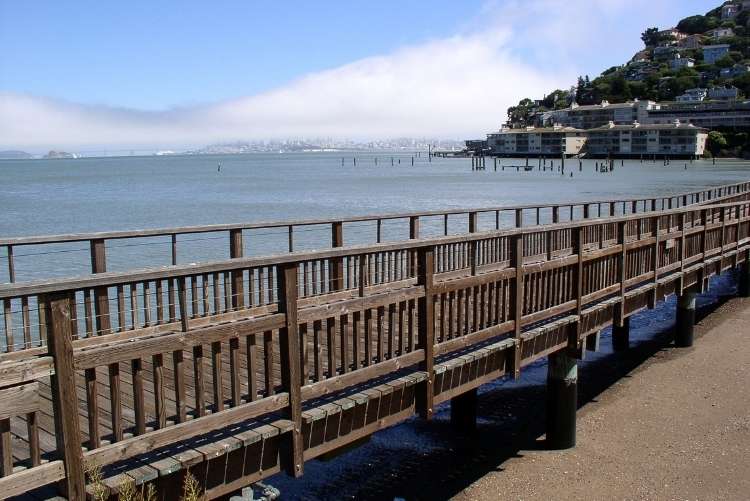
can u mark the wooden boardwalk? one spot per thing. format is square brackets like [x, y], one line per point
[242, 368]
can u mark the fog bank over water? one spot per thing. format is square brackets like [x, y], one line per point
[456, 86]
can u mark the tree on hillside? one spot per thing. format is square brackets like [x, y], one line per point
[696, 25]
[743, 83]
[716, 142]
[725, 62]
[519, 115]
[619, 89]
[650, 37]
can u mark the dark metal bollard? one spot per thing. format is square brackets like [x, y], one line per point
[562, 401]
[464, 412]
[621, 335]
[744, 286]
[685, 320]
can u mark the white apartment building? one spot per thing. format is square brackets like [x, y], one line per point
[553, 141]
[675, 139]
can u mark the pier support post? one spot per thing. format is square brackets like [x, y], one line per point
[744, 286]
[464, 412]
[562, 401]
[685, 320]
[621, 335]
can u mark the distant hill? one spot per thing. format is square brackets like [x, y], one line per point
[15, 155]
[671, 62]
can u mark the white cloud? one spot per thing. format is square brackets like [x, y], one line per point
[454, 87]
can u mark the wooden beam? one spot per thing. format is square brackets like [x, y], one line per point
[426, 333]
[289, 340]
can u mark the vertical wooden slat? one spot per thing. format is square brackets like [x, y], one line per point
[120, 308]
[139, 403]
[115, 404]
[356, 342]
[234, 370]
[331, 346]
[217, 372]
[178, 361]
[32, 428]
[345, 332]
[7, 316]
[268, 363]
[64, 398]
[251, 353]
[6, 448]
[92, 408]
[160, 408]
[26, 321]
[317, 342]
[159, 301]
[368, 337]
[147, 304]
[199, 379]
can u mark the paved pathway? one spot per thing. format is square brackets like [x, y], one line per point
[678, 427]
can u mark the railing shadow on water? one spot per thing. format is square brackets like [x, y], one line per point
[420, 460]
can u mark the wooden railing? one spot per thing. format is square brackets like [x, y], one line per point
[179, 351]
[361, 230]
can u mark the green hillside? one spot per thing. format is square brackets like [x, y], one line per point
[650, 76]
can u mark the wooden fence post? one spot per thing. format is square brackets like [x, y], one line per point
[517, 306]
[289, 342]
[104, 326]
[574, 341]
[426, 326]
[683, 253]
[64, 397]
[101, 298]
[236, 250]
[337, 263]
[413, 235]
[473, 222]
[655, 258]
[620, 328]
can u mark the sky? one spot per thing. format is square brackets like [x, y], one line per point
[84, 75]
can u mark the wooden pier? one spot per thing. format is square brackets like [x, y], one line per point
[235, 370]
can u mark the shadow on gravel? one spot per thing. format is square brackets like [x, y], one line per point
[430, 461]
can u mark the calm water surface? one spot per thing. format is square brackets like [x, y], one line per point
[102, 194]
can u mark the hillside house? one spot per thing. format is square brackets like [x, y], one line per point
[712, 53]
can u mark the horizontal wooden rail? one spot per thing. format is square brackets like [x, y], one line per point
[159, 356]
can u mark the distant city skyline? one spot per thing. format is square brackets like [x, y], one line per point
[93, 75]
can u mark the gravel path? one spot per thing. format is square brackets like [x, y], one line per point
[677, 427]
